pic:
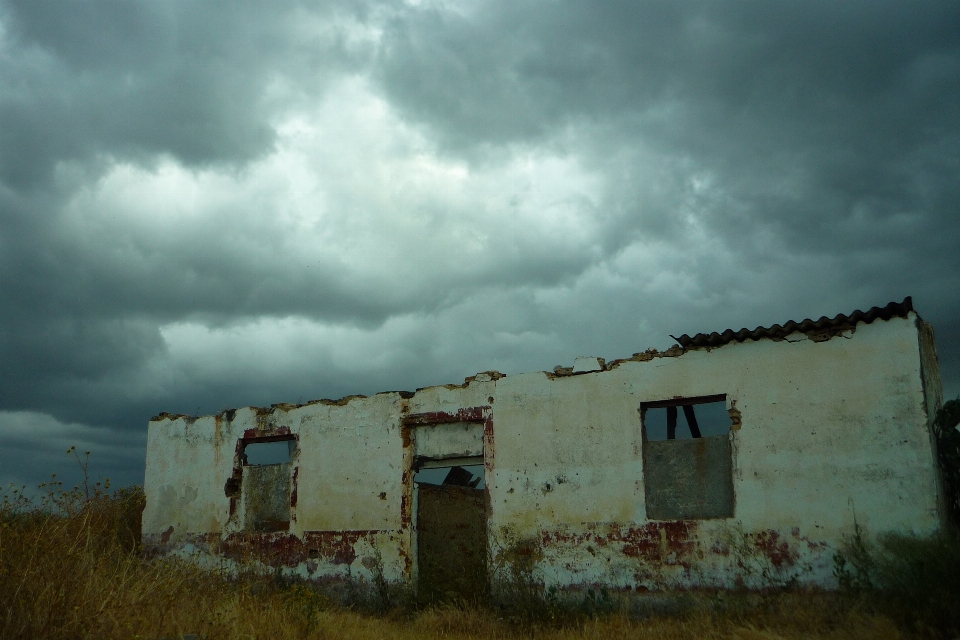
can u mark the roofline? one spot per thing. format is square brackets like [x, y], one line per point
[825, 325]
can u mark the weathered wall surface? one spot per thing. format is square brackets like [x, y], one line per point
[351, 465]
[454, 439]
[829, 430]
[188, 460]
[824, 430]
[351, 483]
[346, 487]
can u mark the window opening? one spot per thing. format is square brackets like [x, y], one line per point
[688, 463]
[267, 483]
[459, 476]
[702, 418]
[263, 453]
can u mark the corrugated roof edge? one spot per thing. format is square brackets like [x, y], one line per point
[777, 332]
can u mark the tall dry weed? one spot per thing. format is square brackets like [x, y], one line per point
[71, 566]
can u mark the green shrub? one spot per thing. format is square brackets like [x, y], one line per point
[916, 579]
[923, 575]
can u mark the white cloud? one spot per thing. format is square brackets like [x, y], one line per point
[351, 188]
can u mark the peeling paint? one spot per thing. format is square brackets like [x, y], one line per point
[466, 414]
[287, 550]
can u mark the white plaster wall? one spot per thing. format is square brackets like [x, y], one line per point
[843, 431]
[450, 439]
[349, 463]
[567, 450]
[451, 398]
[829, 429]
[188, 462]
[350, 455]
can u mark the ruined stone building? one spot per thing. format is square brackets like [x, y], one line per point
[732, 459]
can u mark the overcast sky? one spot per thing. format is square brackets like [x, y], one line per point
[208, 205]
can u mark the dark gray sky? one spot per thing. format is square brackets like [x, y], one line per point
[211, 205]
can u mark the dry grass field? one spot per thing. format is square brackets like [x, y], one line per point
[71, 567]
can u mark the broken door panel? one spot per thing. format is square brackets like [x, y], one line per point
[688, 479]
[266, 497]
[451, 542]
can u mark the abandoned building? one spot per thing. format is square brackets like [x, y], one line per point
[732, 459]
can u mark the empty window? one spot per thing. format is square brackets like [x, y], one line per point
[261, 453]
[687, 460]
[685, 421]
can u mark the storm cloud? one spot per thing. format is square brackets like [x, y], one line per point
[203, 208]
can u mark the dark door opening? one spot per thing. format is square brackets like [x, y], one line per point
[451, 531]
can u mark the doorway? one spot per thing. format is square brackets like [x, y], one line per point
[451, 529]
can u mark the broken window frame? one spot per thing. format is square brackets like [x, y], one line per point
[451, 462]
[233, 488]
[687, 404]
[658, 504]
